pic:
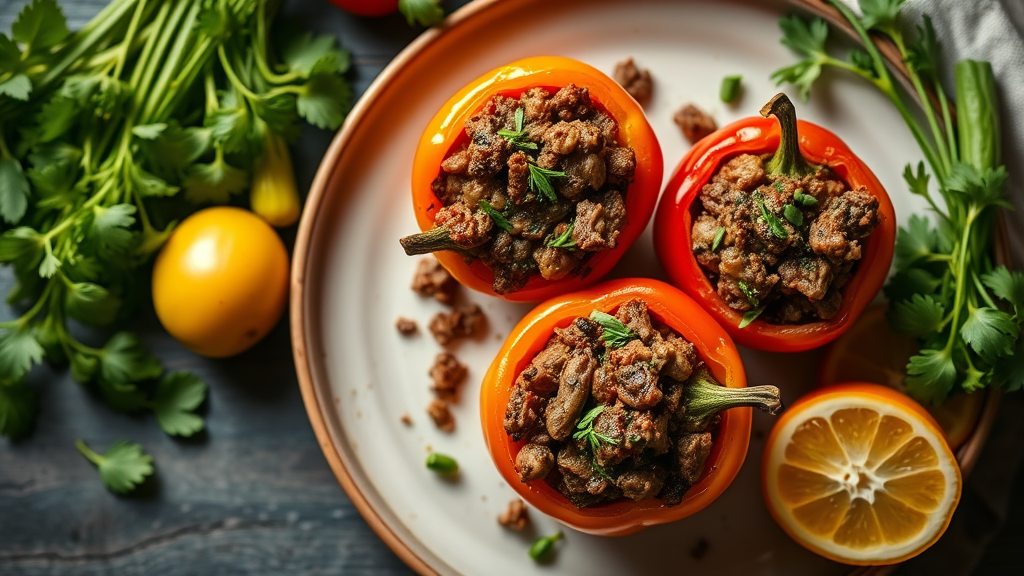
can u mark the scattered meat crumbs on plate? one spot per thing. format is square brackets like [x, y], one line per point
[447, 373]
[515, 516]
[442, 416]
[694, 122]
[464, 321]
[405, 419]
[431, 279]
[406, 326]
[635, 81]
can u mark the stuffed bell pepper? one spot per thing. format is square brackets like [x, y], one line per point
[611, 409]
[777, 229]
[534, 179]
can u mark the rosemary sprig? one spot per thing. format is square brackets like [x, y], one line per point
[563, 240]
[585, 430]
[616, 334]
[499, 220]
[517, 137]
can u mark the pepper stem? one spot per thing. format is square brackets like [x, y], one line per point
[787, 161]
[430, 241]
[705, 397]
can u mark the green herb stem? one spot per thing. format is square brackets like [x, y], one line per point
[88, 453]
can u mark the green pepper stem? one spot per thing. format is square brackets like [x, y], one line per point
[787, 161]
[431, 241]
[705, 397]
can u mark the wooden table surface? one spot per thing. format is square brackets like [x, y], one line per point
[253, 493]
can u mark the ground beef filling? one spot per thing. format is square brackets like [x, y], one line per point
[606, 421]
[786, 246]
[540, 199]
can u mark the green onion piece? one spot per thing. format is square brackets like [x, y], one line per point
[750, 316]
[442, 464]
[730, 89]
[543, 547]
[774, 224]
[804, 199]
[793, 214]
[718, 239]
[751, 296]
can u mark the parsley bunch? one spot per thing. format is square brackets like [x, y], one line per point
[103, 131]
[965, 312]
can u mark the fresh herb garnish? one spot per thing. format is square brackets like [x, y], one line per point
[750, 294]
[563, 240]
[749, 316]
[600, 470]
[718, 239]
[517, 137]
[804, 199]
[442, 464]
[123, 467]
[615, 334]
[539, 181]
[774, 224]
[499, 220]
[730, 88]
[543, 547]
[947, 292]
[426, 13]
[585, 430]
[793, 214]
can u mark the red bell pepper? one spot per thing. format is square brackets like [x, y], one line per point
[446, 132]
[678, 311]
[795, 143]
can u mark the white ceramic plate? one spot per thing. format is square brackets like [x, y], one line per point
[361, 376]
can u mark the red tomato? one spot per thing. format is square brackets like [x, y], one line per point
[368, 7]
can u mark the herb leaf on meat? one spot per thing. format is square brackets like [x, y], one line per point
[499, 220]
[563, 240]
[719, 235]
[793, 214]
[539, 181]
[804, 199]
[774, 224]
[615, 334]
[749, 316]
[517, 137]
[750, 294]
[585, 430]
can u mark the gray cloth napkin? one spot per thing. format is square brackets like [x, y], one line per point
[991, 30]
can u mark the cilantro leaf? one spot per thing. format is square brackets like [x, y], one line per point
[808, 39]
[931, 375]
[907, 282]
[149, 131]
[861, 59]
[175, 149]
[50, 264]
[1009, 370]
[10, 54]
[18, 242]
[230, 127]
[984, 188]
[881, 15]
[915, 241]
[90, 303]
[918, 316]
[109, 228]
[14, 190]
[324, 101]
[18, 87]
[149, 185]
[153, 239]
[123, 467]
[1006, 285]
[17, 409]
[306, 53]
[214, 182]
[177, 396]
[19, 350]
[918, 183]
[924, 54]
[990, 332]
[426, 13]
[83, 366]
[124, 360]
[40, 24]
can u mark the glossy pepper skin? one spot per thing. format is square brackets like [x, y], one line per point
[446, 132]
[678, 208]
[683, 315]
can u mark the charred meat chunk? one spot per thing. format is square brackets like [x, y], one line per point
[635, 81]
[463, 321]
[534, 461]
[433, 280]
[448, 374]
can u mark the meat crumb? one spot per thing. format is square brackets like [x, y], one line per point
[694, 122]
[448, 374]
[406, 326]
[405, 419]
[515, 516]
[442, 416]
[432, 279]
[467, 320]
[637, 82]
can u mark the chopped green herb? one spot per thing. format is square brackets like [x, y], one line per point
[600, 470]
[804, 199]
[123, 467]
[539, 181]
[750, 316]
[793, 214]
[779, 186]
[517, 137]
[585, 430]
[616, 334]
[730, 90]
[499, 220]
[442, 464]
[774, 224]
[543, 547]
[563, 240]
[426, 13]
[718, 239]
[750, 294]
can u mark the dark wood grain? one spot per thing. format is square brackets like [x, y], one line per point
[253, 494]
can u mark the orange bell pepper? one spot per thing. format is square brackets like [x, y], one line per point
[446, 133]
[678, 311]
[762, 135]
